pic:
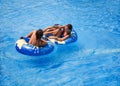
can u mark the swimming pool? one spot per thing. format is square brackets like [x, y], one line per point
[93, 60]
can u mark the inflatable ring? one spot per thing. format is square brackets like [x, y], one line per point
[23, 47]
[71, 39]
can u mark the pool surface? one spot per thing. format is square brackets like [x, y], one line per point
[93, 60]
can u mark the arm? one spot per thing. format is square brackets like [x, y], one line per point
[30, 34]
[62, 39]
[43, 43]
[52, 37]
[61, 26]
[48, 32]
[48, 28]
[51, 32]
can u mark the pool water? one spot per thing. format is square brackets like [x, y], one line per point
[94, 59]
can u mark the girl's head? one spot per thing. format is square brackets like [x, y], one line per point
[68, 29]
[39, 34]
[69, 26]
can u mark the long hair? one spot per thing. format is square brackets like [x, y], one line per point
[39, 34]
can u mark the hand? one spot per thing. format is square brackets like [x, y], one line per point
[53, 37]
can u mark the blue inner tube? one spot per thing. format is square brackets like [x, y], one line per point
[72, 38]
[23, 47]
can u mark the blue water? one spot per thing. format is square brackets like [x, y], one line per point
[93, 60]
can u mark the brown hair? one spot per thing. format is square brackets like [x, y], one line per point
[39, 34]
[69, 26]
[69, 29]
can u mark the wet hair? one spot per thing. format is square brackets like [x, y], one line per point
[39, 34]
[69, 26]
[69, 29]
